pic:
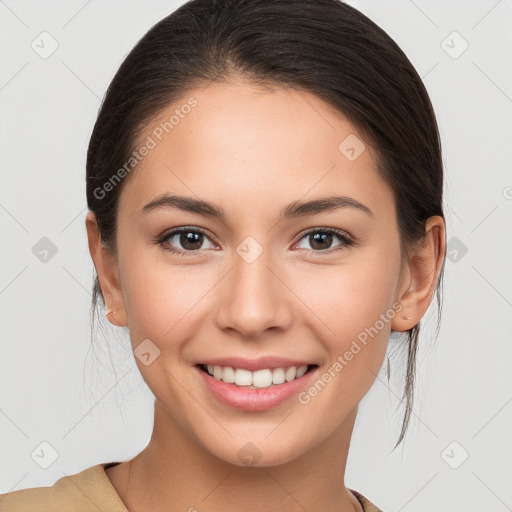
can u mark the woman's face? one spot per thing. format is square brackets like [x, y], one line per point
[264, 280]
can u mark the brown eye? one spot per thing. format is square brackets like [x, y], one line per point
[184, 241]
[321, 240]
[190, 241]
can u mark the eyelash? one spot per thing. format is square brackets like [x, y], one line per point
[346, 241]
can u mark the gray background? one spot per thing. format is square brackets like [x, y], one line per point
[54, 390]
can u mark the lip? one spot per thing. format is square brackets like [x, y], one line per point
[260, 363]
[254, 400]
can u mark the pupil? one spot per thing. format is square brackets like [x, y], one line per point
[190, 238]
[321, 237]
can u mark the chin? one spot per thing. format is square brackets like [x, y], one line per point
[255, 451]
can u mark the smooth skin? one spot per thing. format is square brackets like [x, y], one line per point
[252, 151]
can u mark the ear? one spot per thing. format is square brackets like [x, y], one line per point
[419, 277]
[108, 273]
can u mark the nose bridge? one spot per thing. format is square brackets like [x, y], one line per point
[254, 300]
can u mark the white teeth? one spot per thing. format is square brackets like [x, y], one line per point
[291, 373]
[278, 376]
[242, 377]
[228, 375]
[258, 379]
[217, 372]
[262, 378]
[301, 371]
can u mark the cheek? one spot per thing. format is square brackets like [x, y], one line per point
[353, 301]
[353, 313]
[163, 299]
[163, 303]
[358, 290]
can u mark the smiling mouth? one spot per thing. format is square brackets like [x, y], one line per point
[258, 379]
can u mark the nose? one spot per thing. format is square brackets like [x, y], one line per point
[254, 297]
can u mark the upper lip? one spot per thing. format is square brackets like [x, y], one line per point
[256, 364]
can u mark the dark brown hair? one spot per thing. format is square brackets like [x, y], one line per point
[324, 47]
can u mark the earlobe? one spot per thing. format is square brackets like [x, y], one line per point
[422, 275]
[112, 318]
[108, 274]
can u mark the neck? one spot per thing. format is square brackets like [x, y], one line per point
[175, 473]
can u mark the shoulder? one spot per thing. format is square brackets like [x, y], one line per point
[89, 490]
[367, 505]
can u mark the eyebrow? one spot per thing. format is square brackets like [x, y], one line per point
[293, 210]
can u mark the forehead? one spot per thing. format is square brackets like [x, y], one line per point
[248, 146]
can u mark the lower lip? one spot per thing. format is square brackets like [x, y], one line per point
[247, 399]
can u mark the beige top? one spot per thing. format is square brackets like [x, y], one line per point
[87, 491]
